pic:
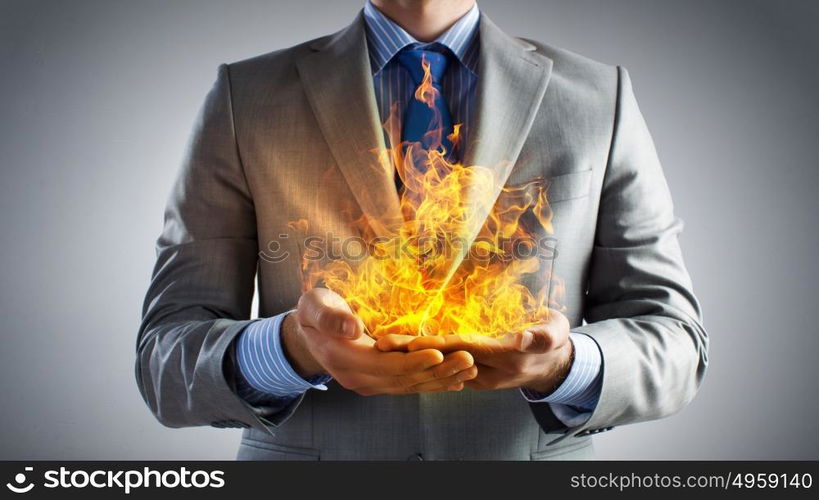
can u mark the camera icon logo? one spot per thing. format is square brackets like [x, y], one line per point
[20, 479]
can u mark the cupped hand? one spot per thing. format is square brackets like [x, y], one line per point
[324, 336]
[539, 358]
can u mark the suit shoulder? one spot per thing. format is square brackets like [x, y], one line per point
[576, 67]
[581, 83]
[275, 56]
[270, 66]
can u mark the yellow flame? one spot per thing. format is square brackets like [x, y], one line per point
[425, 92]
[421, 280]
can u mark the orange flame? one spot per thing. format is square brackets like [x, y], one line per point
[423, 279]
[425, 92]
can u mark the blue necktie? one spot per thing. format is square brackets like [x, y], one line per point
[418, 117]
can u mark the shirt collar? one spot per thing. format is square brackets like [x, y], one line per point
[385, 38]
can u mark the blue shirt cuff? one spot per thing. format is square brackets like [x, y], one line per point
[263, 366]
[581, 389]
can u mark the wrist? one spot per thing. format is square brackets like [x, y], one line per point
[549, 383]
[296, 350]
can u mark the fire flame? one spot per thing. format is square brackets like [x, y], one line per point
[423, 279]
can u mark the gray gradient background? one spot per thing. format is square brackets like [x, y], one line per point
[96, 103]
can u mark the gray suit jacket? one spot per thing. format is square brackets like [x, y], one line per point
[289, 135]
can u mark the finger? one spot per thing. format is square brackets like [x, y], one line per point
[447, 343]
[444, 343]
[403, 363]
[456, 368]
[328, 313]
[485, 350]
[394, 342]
[441, 380]
[453, 364]
[370, 361]
[431, 387]
[457, 361]
[488, 378]
[453, 383]
[452, 372]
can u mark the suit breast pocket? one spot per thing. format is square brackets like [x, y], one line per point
[568, 186]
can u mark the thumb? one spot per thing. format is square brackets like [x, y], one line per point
[342, 324]
[327, 312]
[546, 336]
[535, 340]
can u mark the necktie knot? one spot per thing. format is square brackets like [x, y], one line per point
[411, 60]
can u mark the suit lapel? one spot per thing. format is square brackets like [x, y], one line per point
[338, 82]
[512, 79]
[511, 83]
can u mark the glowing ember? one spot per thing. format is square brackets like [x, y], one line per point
[422, 279]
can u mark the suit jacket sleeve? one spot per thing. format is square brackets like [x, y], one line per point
[200, 296]
[640, 307]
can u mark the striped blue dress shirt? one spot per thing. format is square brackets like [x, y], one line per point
[264, 375]
[392, 83]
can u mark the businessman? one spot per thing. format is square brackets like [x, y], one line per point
[290, 135]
